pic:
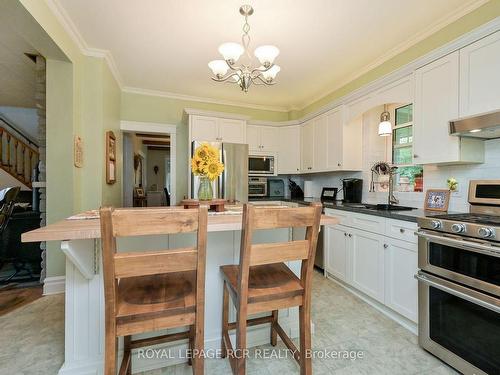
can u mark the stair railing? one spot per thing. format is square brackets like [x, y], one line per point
[17, 157]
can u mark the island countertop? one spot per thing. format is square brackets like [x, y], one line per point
[89, 228]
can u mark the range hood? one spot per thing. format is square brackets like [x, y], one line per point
[483, 126]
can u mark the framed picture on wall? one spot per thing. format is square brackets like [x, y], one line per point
[110, 158]
[437, 199]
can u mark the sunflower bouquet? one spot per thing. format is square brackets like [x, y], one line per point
[205, 163]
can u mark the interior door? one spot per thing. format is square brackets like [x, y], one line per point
[367, 251]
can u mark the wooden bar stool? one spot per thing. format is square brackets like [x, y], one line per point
[153, 290]
[262, 282]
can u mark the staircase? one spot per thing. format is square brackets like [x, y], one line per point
[17, 156]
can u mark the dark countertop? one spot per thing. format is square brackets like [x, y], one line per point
[409, 215]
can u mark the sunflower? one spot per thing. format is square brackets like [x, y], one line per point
[197, 166]
[213, 169]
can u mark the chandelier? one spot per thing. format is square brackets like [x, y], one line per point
[245, 74]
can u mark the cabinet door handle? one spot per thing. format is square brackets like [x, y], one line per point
[339, 164]
[350, 235]
[415, 155]
[345, 234]
[386, 246]
[401, 230]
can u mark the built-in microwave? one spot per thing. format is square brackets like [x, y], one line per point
[261, 165]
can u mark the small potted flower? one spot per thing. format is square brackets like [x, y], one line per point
[206, 164]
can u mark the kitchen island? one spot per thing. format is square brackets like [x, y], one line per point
[84, 292]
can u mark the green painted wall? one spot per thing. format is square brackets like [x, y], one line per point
[82, 99]
[476, 18]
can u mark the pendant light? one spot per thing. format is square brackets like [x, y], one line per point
[385, 127]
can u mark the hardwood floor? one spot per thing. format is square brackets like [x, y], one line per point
[14, 298]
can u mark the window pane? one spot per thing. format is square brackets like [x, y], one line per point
[403, 136]
[404, 114]
[403, 155]
[410, 178]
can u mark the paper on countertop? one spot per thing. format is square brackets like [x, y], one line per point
[86, 215]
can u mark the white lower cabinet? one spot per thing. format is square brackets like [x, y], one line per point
[367, 252]
[336, 257]
[400, 286]
[378, 260]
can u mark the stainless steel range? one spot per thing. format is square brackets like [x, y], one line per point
[459, 283]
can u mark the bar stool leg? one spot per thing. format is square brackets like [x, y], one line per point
[111, 348]
[225, 319]
[305, 340]
[126, 348]
[199, 344]
[241, 339]
[274, 333]
[191, 344]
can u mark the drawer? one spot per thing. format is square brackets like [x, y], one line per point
[401, 230]
[344, 216]
[369, 223]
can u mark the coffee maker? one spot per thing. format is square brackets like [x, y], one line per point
[353, 190]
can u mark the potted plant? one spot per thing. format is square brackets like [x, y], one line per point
[206, 164]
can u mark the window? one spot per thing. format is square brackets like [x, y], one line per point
[402, 136]
[409, 177]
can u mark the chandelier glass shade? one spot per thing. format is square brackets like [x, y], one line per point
[245, 74]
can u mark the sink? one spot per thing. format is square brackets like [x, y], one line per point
[388, 207]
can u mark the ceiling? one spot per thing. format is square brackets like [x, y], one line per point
[17, 71]
[165, 45]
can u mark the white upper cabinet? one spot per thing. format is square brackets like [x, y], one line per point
[204, 129]
[320, 148]
[289, 149]
[262, 138]
[344, 142]
[436, 103]
[480, 76]
[215, 129]
[307, 146]
[232, 131]
[253, 137]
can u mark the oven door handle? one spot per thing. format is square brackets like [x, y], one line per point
[426, 280]
[461, 243]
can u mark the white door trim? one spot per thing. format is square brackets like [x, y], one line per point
[158, 128]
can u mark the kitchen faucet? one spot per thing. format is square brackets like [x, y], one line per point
[391, 199]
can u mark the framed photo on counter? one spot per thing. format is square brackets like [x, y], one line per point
[437, 199]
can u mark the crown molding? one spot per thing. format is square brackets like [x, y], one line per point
[171, 95]
[440, 24]
[202, 112]
[69, 26]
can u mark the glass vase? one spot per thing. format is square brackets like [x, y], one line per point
[205, 190]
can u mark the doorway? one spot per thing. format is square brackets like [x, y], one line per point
[149, 172]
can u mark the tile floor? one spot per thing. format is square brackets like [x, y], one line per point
[343, 322]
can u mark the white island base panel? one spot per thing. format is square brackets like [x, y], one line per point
[84, 304]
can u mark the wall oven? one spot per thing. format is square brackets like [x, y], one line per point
[459, 284]
[261, 165]
[257, 187]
